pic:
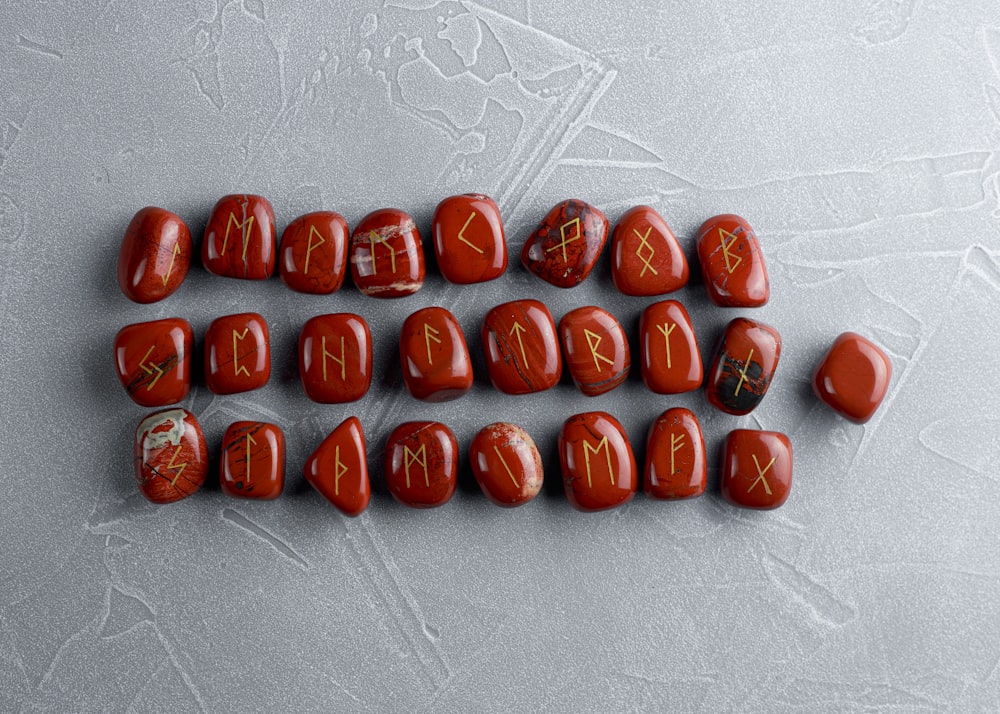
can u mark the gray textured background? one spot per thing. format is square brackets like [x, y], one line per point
[861, 140]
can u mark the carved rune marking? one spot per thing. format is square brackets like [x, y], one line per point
[564, 240]
[760, 474]
[602, 445]
[339, 360]
[461, 234]
[246, 227]
[237, 367]
[743, 373]
[666, 338]
[151, 368]
[338, 470]
[170, 267]
[727, 240]
[248, 440]
[593, 342]
[516, 330]
[676, 442]
[430, 335]
[373, 238]
[644, 243]
[505, 466]
[310, 247]
[418, 457]
[179, 468]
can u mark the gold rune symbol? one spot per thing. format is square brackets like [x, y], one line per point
[373, 238]
[179, 468]
[246, 226]
[565, 240]
[593, 342]
[173, 256]
[237, 367]
[505, 466]
[151, 368]
[465, 240]
[588, 450]
[676, 442]
[310, 247]
[516, 330]
[760, 474]
[726, 252]
[249, 440]
[430, 334]
[338, 470]
[666, 338]
[416, 457]
[644, 243]
[743, 373]
[339, 360]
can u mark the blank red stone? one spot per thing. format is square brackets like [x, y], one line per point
[240, 238]
[596, 349]
[338, 468]
[170, 455]
[646, 258]
[522, 353]
[335, 358]
[155, 255]
[387, 257]
[853, 377]
[434, 356]
[598, 467]
[153, 361]
[757, 469]
[732, 263]
[421, 464]
[743, 366]
[506, 464]
[670, 358]
[676, 465]
[237, 354]
[567, 243]
[469, 239]
[314, 253]
[253, 460]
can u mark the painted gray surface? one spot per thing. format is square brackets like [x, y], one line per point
[860, 139]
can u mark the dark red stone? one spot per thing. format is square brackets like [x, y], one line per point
[732, 263]
[155, 255]
[675, 456]
[335, 358]
[170, 454]
[596, 349]
[567, 243]
[237, 354]
[757, 469]
[522, 353]
[743, 366]
[434, 356]
[853, 377]
[506, 464]
[671, 360]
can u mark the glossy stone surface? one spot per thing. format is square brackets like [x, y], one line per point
[240, 238]
[335, 358]
[676, 466]
[153, 361]
[338, 468]
[313, 256]
[237, 353]
[596, 349]
[506, 464]
[155, 255]
[469, 239]
[669, 353]
[743, 366]
[853, 377]
[757, 469]
[252, 464]
[646, 258]
[434, 357]
[567, 243]
[598, 467]
[421, 464]
[387, 257]
[170, 455]
[522, 354]
[732, 263]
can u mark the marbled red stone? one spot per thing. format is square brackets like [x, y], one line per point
[335, 358]
[469, 239]
[237, 353]
[598, 467]
[676, 466]
[853, 377]
[153, 361]
[387, 257]
[757, 469]
[435, 359]
[743, 366]
[522, 353]
[170, 455]
[314, 253]
[253, 460]
[646, 258]
[506, 464]
[155, 255]
[670, 358]
[240, 238]
[596, 349]
[338, 468]
[421, 464]
[732, 263]
[567, 243]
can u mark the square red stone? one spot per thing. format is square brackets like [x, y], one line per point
[253, 460]
[335, 358]
[757, 469]
[522, 353]
[237, 354]
[468, 239]
[153, 361]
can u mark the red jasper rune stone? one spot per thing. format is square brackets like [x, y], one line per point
[468, 239]
[596, 349]
[646, 258]
[155, 255]
[171, 457]
[732, 264]
[435, 358]
[853, 377]
[598, 466]
[335, 358]
[522, 353]
[240, 239]
[676, 466]
[506, 464]
[671, 361]
[253, 460]
[314, 253]
[387, 257]
[757, 469]
[743, 366]
[338, 468]
[565, 246]
[237, 354]
[153, 361]
[421, 464]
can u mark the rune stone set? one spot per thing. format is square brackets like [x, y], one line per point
[524, 348]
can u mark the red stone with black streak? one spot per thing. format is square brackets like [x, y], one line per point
[565, 246]
[387, 257]
[421, 464]
[743, 366]
[522, 353]
[676, 466]
[314, 253]
[253, 460]
[153, 361]
[732, 263]
[170, 455]
[338, 468]
[155, 255]
[240, 238]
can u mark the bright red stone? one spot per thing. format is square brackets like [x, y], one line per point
[506, 464]
[237, 354]
[434, 356]
[338, 468]
[522, 353]
[171, 457]
[757, 469]
[155, 255]
[468, 239]
[675, 456]
[153, 361]
[853, 377]
[335, 358]
[743, 366]
[565, 246]
[314, 253]
[596, 349]
[732, 264]
[671, 361]
[387, 257]
[646, 258]
[253, 460]
[421, 464]
[598, 466]
[240, 239]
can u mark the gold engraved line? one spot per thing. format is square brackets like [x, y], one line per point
[760, 474]
[430, 334]
[726, 245]
[246, 226]
[465, 240]
[341, 361]
[566, 241]
[338, 470]
[743, 373]
[310, 246]
[237, 367]
[246, 473]
[644, 243]
[173, 256]
[588, 450]
[666, 338]
[373, 238]
[593, 342]
[676, 442]
[150, 368]
[179, 468]
[506, 467]
[516, 330]
[419, 457]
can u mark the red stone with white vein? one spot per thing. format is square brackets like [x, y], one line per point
[171, 456]
[387, 257]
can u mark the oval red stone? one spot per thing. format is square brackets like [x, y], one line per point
[387, 257]
[434, 356]
[171, 457]
[732, 263]
[237, 354]
[522, 353]
[676, 466]
[671, 360]
[506, 464]
[646, 258]
[314, 253]
[253, 460]
[853, 377]
[338, 468]
[468, 239]
[335, 358]
[565, 246]
[153, 361]
[155, 255]
[757, 469]
[240, 239]
[421, 464]
[596, 349]
[598, 466]
[743, 366]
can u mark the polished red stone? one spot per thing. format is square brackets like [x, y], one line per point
[732, 264]
[155, 255]
[421, 464]
[468, 239]
[596, 349]
[237, 353]
[313, 256]
[253, 460]
[675, 456]
[598, 467]
[153, 361]
[757, 469]
[170, 454]
[565, 246]
[506, 464]
[743, 366]
[338, 468]
[434, 356]
[853, 377]
[646, 258]
[335, 358]
[240, 239]
[387, 257]
[522, 353]
[670, 358]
